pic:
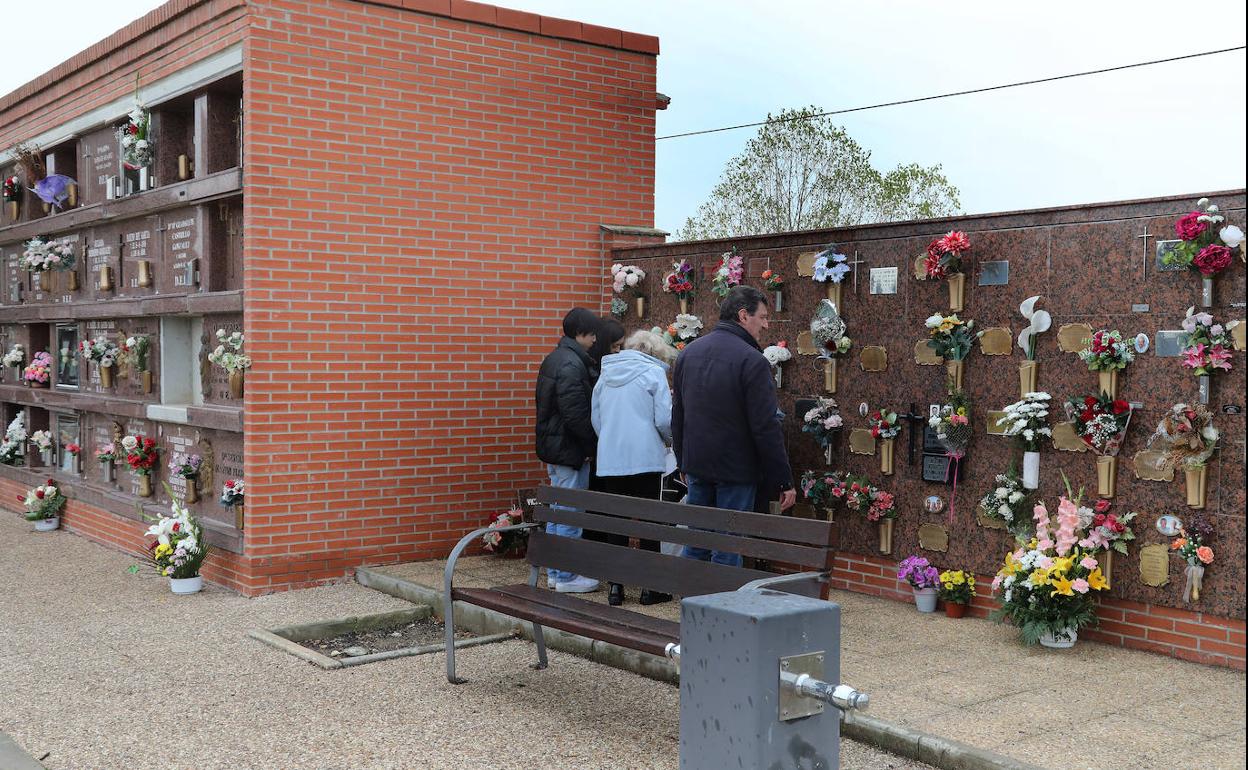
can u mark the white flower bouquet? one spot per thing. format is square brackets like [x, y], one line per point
[1026, 420]
[229, 352]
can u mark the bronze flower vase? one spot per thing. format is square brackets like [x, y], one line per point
[830, 513]
[957, 291]
[1106, 475]
[145, 485]
[886, 535]
[886, 460]
[236, 384]
[106, 376]
[1028, 373]
[192, 491]
[641, 307]
[954, 371]
[829, 375]
[684, 306]
[14, 209]
[71, 195]
[239, 516]
[1197, 482]
[1108, 382]
[1105, 561]
[147, 381]
[106, 278]
[834, 294]
[145, 273]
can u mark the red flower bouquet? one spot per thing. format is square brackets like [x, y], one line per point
[944, 255]
[1100, 421]
[142, 454]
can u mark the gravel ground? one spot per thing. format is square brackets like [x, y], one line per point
[102, 669]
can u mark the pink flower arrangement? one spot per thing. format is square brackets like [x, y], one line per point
[1190, 226]
[944, 255]
[1209, 344]
[1212, 259]
[1207, 243]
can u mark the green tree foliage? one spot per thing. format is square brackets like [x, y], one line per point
[803, 173]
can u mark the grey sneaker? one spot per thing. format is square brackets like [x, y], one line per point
[577, 585]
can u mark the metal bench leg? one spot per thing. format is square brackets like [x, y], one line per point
[538, 638]
[448, 619]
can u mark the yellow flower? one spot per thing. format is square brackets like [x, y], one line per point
[1063, 564]
[962, 411]
[1063, 586]
[948, 586]
[970, 581]
[1011, 566]
[1096, 580]
[1040, 577]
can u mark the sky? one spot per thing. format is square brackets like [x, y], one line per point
[1167, 129]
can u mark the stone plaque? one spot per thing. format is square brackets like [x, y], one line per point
[861, 442]
[1145, 465]
[984, 520]
[1071, 338]
[993, 428]
[883, 280]
[138, 241]
[1237, 334]
[100, 162]
[874, 358]
[1164, 248]
[934, 537]
[1169, 343]
[1155, 565]
[1066, 439]
[182, 240]
[997, 341]
[925, 356]
[806, 344]
[14, 278]
[103, 249]
[996, 273]
[806, 263]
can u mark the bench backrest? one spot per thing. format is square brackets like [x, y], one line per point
[806, 543]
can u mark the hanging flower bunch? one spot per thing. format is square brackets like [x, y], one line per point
[870, 500]
[229, 352]
[15, 357]
[1100, 421]
[1107, 351]
[772, 281]
[951, 337]
[944, 255]
[141, 454]
[14, 440]
[1209, 345]
[1010, 502]
[12, 189]
[101, 350]
[618, 307]
[627, 277]
[681, 332]
[778, 353]
[40, 368]
[823, 422]
[1206, 244]
[1187, 436]
[1109, 530]
[41, 440]
[883, 424]
[827, 331]
[1191, 546]
[953, 425]
[185, 465]
[232, 493]
[824, 489]
[177, 549]
[680, 280]
[731, 271]
[137, 150]
[43, 502]
[510, 541]
[1026, 421]
[42, 255]
[134, 352]
[830, 267]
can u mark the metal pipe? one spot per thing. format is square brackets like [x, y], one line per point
[425, 649]
[842, 696]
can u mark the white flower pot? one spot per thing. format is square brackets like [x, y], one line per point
[1064, 641]
[925, 599]
[1031, 470]
[47, 525]
[182, 586]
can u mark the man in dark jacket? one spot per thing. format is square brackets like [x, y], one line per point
[724, 427]
[566, 440]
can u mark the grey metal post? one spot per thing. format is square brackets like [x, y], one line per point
[758, 670]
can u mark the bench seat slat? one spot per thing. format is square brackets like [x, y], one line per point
[604, 612]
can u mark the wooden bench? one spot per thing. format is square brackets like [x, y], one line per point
[801, 542]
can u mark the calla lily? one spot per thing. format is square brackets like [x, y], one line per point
[1039, 321]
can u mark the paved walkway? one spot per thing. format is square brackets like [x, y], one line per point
[1094, 707]
[105, 670]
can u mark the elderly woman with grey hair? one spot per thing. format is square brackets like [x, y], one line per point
[632, 414]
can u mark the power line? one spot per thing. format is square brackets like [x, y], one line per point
[956, 93]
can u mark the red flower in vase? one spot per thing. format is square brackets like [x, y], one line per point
[1189, 227]
[1212, 259]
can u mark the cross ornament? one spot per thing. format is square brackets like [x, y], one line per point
[855, 262]
[1144, 257]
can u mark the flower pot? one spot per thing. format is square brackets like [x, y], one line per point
[886, 457]
[954, 371]
[1105, 560]
[1197, 480]
[829, 375]
[184, 586]
[47, 525]
[147, 382]
[777, 374]
[145, 273]
[240, 517]
[192, 492]
[925, 599]
[886, 535]
[1204, 388]
[834, 294]
[1206, 291]
[1106, 475]
[236, 384]
[106, 278]
[145, 486]
[1028, 372]
[779, 302]
[1031, 470]
[106, 376]
[1063, 640]
[955, 609]
[957, 291]
[1195, 576]
[185, 168]
[684, 306]
[1108, 382]
[71, 280]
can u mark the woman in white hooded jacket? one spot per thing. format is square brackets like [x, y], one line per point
[632, 415]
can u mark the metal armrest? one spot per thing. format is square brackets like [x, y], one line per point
[761, 583]
[464, 542]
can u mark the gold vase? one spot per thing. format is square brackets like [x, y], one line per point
[834, 294]
[829, 375]
[236, 384]
[192, 491]
[145, 486]
[106, 376]
[886, 456]
[641, 307]
[239, 517]
[185, 167]
[71, 195]
[1106, 561]
[145, 273]
[14, 209]
[829, 513]
[1197, 480]
[957, 291]
[1028, 372]
[886, 535]
[1108, 382]
[684, 306]
[1106, 475]
[954, 371]
[106, 278]
[147, 382]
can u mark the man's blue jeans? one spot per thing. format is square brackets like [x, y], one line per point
[734, 497]
[566, 477]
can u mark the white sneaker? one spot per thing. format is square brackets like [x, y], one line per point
[577, 585]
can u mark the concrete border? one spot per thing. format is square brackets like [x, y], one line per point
[14, 757]
[903, 741]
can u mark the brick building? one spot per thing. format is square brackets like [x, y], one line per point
[397, 200]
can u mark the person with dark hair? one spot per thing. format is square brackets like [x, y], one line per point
[610, 340]
[565, 434]
[724, 428]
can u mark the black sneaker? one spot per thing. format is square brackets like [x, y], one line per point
[615, 594]
[653, 597]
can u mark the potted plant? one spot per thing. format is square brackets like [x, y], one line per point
[824, 422]
[177, 549]
[106, 456]
[1108, 533]
[1010, 502]
[1206, 245]
[511, 544]
[629, 278]
[104, 353]
[142, 455]
[38, 373]
[232, 497]
[44, 505]
[680, 283]
[1026, 421]
[1188, 439]
[187, 467]
[229, 356]
[1208, 348]
[42, 441]
[823, 489]
[885, 428]
[827, 332]
[923, 578]
[831, 269]
[777, 354]
[943, 263]
[1102, 423]
[14, 358]
[1038, 322]
[774, 283]
[957, 588]
[951, 339]
[1190, 546]
[1107, 354]
[1047, 586]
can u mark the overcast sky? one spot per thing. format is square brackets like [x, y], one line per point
[1166, 129]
